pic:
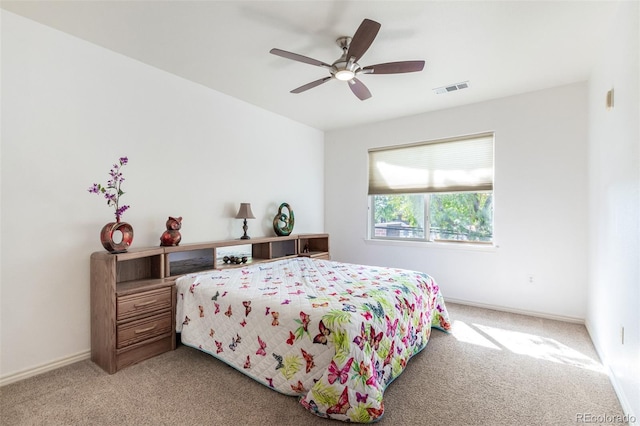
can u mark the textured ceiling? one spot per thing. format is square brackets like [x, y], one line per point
[501, 47]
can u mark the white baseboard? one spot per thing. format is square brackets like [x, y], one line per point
[622, 397]
[517, 311]
[43, 368]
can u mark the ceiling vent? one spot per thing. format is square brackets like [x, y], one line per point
[451, 87]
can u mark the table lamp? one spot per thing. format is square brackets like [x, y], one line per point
[245, 213]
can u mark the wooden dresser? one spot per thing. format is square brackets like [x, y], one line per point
[133, 298]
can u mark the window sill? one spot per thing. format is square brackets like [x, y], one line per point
[485, 248]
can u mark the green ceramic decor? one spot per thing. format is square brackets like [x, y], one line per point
[283, 223]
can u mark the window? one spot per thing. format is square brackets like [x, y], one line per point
[434, 191]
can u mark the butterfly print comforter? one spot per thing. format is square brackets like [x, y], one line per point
[334, 334]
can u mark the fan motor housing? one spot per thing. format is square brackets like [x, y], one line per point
[344, 69]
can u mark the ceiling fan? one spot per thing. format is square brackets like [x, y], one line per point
[346, 68]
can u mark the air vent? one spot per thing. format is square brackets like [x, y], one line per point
[451, 87]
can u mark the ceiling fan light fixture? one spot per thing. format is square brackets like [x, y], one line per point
[346, 68]
[344, 75]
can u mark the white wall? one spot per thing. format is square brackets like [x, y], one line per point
[540, 202]
[614, 206]
[71, 109]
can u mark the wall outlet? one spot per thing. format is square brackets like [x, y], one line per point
[530, 279]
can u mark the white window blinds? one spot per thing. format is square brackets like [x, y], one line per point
[451, 165]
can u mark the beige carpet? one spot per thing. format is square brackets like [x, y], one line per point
[495, 368]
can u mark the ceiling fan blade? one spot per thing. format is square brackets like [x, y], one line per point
[394, 67]
[299, 58]
[362, 39]
[359, 89]
[311, 85]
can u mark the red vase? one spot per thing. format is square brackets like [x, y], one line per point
[123, 233]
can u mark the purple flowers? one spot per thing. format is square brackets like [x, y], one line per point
[112, 191]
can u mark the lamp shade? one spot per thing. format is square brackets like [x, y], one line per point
[245, 211]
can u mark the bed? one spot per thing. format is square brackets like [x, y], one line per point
[334, 334]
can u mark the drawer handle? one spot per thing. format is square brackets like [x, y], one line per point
[140, 305]
[144, 330]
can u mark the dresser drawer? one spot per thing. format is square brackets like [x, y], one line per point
[137, 331]
[142, 303]
[136, 353]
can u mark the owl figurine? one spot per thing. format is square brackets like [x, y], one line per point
[172, 237]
